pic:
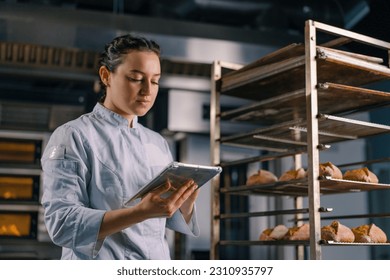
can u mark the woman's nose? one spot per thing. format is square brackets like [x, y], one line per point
[146, 87]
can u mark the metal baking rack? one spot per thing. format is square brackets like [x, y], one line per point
[303, 97]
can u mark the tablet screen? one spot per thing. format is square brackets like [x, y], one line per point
[178, 173]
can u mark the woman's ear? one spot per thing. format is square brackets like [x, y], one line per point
[104, 74]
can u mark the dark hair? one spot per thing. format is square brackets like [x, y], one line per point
[113, 53]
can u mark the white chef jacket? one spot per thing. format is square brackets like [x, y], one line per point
[94, 164]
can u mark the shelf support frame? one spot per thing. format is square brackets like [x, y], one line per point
[215, 135]
[313, 139]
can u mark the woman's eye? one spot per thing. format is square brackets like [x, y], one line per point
[134, 79]
[141, 80]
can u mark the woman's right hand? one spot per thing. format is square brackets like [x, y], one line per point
[157, 203]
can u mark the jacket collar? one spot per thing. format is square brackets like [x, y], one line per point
[112, 117]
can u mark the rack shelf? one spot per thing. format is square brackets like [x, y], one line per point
[281, 137]
[334, 243]
[258, 242]
[289, 75]
[264, 213]
[289, 106]
[300, 187]
[295, 243]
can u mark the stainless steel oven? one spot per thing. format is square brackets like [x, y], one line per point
[18, 224]
[19, 188]
[23, 234]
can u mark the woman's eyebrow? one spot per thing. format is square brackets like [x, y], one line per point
[140, 72]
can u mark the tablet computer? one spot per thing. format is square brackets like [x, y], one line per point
[178, 173]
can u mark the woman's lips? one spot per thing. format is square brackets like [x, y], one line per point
[143, 101]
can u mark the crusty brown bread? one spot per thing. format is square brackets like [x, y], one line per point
[329, 169]
[275, 233]
[261, 177]
[337, 232]
[369, 234]
[293, 174]
[298, 233]
[361, 174]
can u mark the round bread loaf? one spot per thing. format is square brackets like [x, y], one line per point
[298, 233]
[261, 177]
[331, 170]
[293, 174]
[337, 232]
[369, 234]
[275, 233]
[362, 175]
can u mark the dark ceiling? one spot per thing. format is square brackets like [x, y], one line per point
[368, 15]
[258, 22]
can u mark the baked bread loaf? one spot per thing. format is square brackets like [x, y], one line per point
[369, 234]
[293, 174]
[329, 169]
[298, 233]
[361, 174]
[337, 232]
[261, 177]
[275, 233]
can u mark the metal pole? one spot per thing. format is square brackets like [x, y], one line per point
[312, 140]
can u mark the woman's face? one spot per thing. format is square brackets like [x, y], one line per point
[133, 87]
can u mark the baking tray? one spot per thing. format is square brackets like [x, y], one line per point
[258, 242]
[334, 243]
[288, 75]
[291, 105]
[295, 243]
[293, 134]
[300, 187]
